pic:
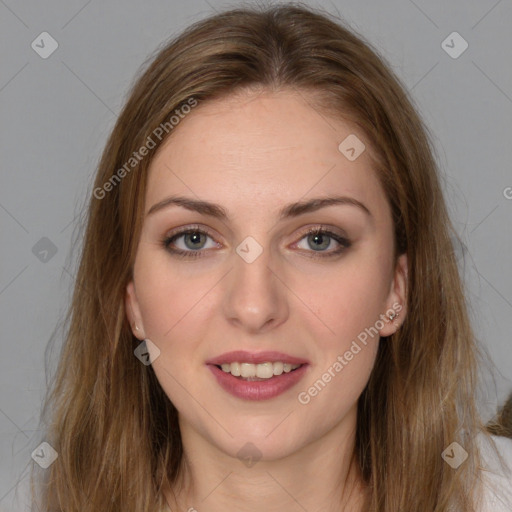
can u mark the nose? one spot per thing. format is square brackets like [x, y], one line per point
[256, 297]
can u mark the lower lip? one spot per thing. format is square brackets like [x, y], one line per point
[259, 389]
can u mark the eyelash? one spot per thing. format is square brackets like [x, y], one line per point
[319, 230]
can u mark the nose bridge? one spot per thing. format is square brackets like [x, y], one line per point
[256, 297]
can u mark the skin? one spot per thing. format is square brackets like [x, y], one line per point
[254, 153]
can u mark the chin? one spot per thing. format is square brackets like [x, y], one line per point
[268, 439]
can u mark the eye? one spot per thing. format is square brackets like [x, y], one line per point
[320, 239]
[189, 241]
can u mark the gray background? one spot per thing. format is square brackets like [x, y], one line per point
[57, 112]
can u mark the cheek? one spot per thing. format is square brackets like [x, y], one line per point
[348, 298]
[167, 299]
[348, 305]
[170, 305]
[334, 390]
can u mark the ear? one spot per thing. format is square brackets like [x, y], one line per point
[133, 311]
[397, 299]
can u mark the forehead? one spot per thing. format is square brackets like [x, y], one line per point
[266, 148]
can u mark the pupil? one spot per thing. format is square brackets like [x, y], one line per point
[195, 237]
[319, 238]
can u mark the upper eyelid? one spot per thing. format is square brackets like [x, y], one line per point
[188, 229]
[306, 231]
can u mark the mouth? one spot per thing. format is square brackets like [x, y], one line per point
[251, 372]
[262, 381]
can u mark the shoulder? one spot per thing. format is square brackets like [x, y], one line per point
[496, 473]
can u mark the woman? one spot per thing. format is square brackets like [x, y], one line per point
[268, 312]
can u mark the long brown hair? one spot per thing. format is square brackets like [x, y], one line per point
[115, 430]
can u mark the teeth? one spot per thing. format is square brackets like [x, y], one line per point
[278, 368]
[247, 370]
[262, 370]
[265, 370]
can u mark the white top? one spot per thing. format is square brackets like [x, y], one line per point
[497, 478]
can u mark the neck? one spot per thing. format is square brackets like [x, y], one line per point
[323, 475]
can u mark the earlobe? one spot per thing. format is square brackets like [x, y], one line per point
[397, 300]
[133, 312]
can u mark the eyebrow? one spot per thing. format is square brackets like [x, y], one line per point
[289, 211]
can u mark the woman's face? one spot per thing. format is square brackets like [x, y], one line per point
[254, 280]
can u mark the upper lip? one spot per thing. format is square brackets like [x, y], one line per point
[242, 356]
